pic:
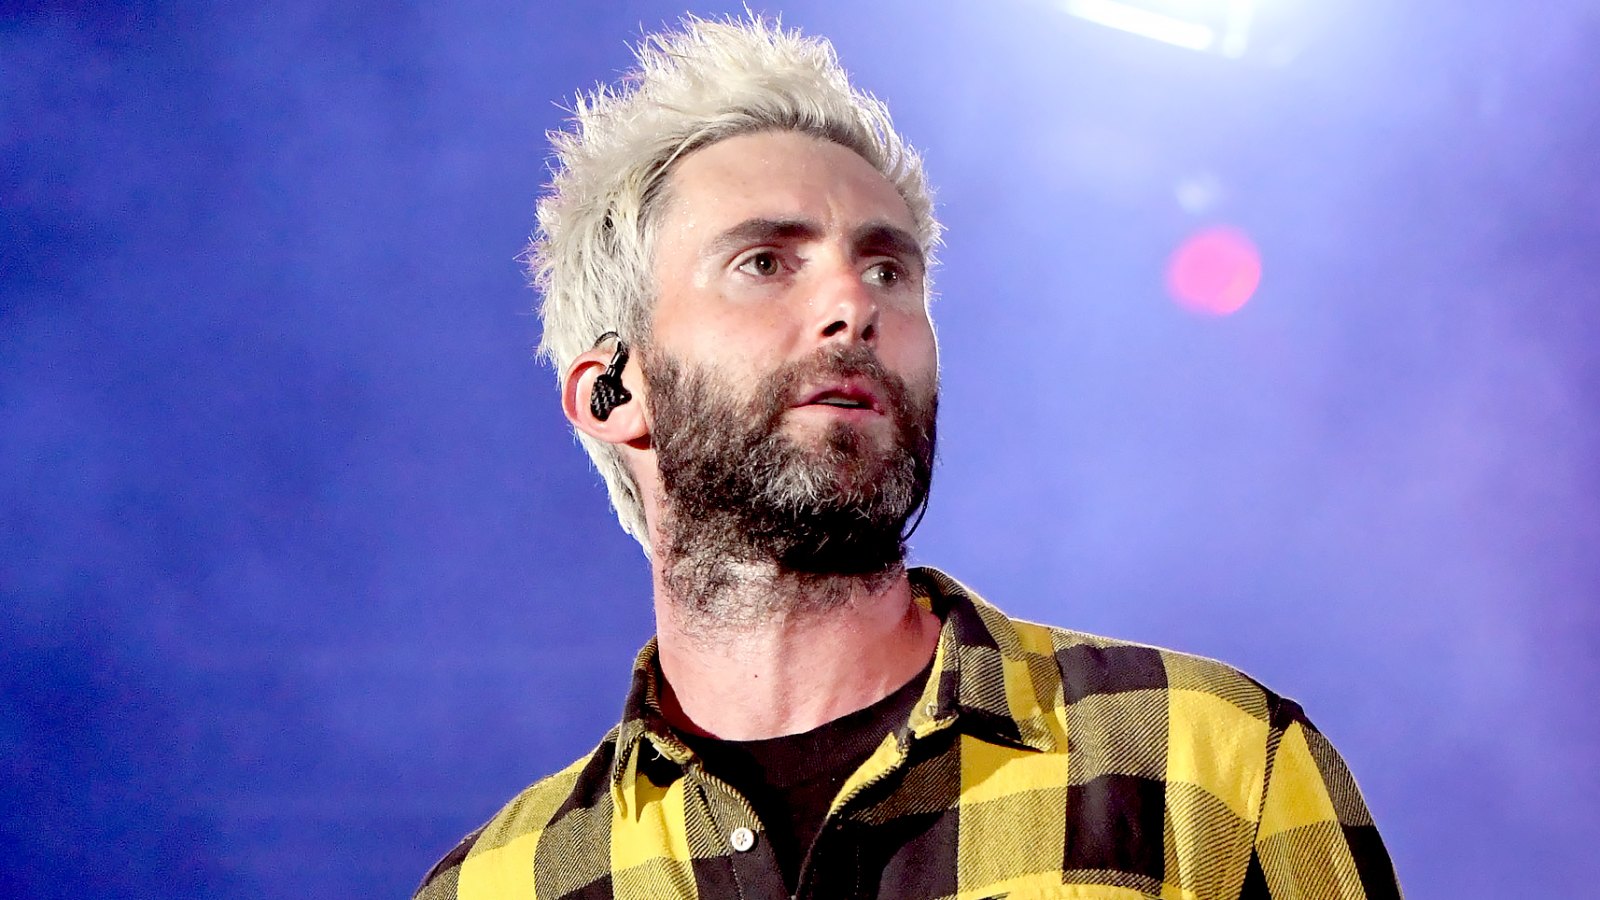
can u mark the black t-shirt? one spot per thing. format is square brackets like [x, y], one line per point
[792, 780]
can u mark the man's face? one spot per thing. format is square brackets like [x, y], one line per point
[791, 366]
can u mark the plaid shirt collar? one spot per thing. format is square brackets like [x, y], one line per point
[979, 682]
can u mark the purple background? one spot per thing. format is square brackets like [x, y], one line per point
[303, 574]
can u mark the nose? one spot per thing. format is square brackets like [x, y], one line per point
[846, 310]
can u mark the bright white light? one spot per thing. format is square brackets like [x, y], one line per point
[1237, 36]
[1143, 22]
[1209, 26]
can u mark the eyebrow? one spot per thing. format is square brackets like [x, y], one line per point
[873, 237]
[890, 240]
[762, 231]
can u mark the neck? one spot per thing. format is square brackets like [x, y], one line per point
[762, 653]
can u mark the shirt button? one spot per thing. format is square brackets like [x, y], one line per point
[742, 839]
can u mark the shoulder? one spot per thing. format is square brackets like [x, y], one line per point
[523, 819]
[1136, 713]
[1175, 701]
[1145, 726]
[1092, 668]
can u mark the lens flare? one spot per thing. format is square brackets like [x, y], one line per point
[1215, 271]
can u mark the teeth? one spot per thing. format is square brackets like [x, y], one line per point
[842, 403]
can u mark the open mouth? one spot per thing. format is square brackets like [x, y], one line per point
[848, 396]
[841, 402]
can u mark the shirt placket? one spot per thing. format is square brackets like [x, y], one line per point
[741, 835]
[832, 867]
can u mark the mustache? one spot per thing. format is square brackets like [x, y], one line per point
[782, 387]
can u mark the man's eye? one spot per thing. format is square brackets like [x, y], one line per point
[886, 274]
[763, 264]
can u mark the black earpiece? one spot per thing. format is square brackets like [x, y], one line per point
[608, 392]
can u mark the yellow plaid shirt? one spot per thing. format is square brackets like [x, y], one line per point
[1037, 763]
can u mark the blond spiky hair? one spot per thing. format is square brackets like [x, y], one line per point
[591, 257]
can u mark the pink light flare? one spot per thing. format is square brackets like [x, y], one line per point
[1215, 271]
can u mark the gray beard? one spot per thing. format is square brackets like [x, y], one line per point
[757, 528]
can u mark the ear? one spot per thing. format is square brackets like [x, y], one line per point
[627, 423]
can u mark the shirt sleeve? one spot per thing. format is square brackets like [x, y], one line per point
[1315, 838]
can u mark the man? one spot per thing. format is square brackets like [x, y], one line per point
[733, 258]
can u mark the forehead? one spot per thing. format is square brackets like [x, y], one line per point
[778, 175]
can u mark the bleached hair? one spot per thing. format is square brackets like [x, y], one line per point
[591, 256]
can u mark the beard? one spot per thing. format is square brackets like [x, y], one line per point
[742, 496]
